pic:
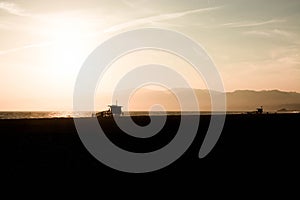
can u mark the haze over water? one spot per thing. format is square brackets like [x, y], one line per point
[255, 45]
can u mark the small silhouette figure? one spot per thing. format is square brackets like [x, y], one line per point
[259, 110]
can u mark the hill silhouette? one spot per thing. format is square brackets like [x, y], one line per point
[239, 100]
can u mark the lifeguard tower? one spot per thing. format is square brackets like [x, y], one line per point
[114, 110]
[259, 110]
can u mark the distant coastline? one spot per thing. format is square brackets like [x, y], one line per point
[70, 114]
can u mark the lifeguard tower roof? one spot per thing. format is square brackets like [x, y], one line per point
[115, 109]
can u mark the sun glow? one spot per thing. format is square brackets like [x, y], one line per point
[68, 45]
[45, 43]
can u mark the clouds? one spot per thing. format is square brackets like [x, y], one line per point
[270, 33]
[12, 9]
[158, 18]
[288, 55]
[12, 50]
[252, 24]
[245, 37]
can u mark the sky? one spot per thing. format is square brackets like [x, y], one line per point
[254, 44]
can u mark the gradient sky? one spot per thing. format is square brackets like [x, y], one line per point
[254, 44]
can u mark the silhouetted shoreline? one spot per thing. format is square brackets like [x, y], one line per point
[249, 144]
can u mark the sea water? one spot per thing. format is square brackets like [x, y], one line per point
[84, 114]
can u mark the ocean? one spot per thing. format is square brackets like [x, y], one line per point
[71, 114]
[43, 114]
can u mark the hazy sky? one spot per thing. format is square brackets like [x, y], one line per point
[254, 44]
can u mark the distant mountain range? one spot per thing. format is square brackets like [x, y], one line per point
[239, 100]
[270, 99]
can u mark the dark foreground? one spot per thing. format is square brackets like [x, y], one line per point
[260, 148]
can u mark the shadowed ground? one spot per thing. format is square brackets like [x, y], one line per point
[251, 147]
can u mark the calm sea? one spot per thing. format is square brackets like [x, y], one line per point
[71, 114]
[41, 114]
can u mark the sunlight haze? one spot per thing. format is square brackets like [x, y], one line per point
[254, 44]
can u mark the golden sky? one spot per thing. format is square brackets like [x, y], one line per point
[254, 44]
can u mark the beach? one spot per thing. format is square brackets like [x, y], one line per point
[249, 146]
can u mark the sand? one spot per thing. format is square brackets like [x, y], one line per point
[250, 147]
